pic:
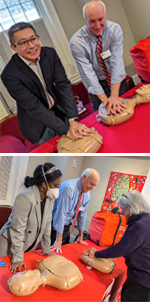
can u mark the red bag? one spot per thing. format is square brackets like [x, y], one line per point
[107, 228]
[141, 58]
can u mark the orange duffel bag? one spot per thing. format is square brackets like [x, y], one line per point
[107, 228]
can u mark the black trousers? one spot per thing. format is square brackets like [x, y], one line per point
[95, 101]
[66, 235]
[134, 292]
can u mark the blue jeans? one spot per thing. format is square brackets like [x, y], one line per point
[48, 134]
[95, 101]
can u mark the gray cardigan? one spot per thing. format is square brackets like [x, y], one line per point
[24, 225]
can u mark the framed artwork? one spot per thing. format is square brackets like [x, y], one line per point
[118, 184]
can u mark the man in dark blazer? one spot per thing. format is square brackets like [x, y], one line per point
[36, 79]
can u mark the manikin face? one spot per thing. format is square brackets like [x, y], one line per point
[89, 183]
[95, 18]
[25, 283]
[30, 52]
[144, 89]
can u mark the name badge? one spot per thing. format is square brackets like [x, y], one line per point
[106, 54]
[81, 209]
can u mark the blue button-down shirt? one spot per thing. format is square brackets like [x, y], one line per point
[83, 47]
[66, 204]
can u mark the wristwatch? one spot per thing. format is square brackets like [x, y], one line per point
[73, 119]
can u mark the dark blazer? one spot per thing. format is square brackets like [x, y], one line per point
[32, 106]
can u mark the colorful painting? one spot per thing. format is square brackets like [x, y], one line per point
[118, 184]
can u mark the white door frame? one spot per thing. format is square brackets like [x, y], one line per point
[16, 178]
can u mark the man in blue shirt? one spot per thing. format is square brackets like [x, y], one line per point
[83, 46]
[66, 204]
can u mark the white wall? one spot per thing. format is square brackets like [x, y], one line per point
[70, 15]
[70, 171]
[34, 161]
[138, 14]
[64, 163]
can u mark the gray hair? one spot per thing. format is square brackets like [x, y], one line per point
[19, 26]
[84, 8]
[134, 203]
[88, 172]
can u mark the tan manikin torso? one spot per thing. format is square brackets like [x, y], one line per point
[89, 144]
[142, 96]
[55, 271]
[93, 143]
[101, 265]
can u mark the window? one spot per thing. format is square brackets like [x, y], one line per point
[5, 166]
[13, 11]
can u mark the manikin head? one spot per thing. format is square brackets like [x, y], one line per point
[25, 283]
[94, 13]
[145, 89]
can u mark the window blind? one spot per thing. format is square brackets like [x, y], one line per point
[5, 167]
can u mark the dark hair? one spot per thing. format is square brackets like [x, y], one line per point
[38, 177]
[19, 26]
[115, 210]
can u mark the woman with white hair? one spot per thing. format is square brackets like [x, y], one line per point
[134, 246]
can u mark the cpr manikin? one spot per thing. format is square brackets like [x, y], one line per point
[55, 271]
[101, 265]
[88, 144]
[142, 96]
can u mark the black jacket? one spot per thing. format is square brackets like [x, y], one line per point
[32, 106]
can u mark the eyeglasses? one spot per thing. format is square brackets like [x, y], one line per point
[125, 195]
[56, 186]
[24, 44]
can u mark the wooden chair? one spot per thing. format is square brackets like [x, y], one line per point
[5, 212]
